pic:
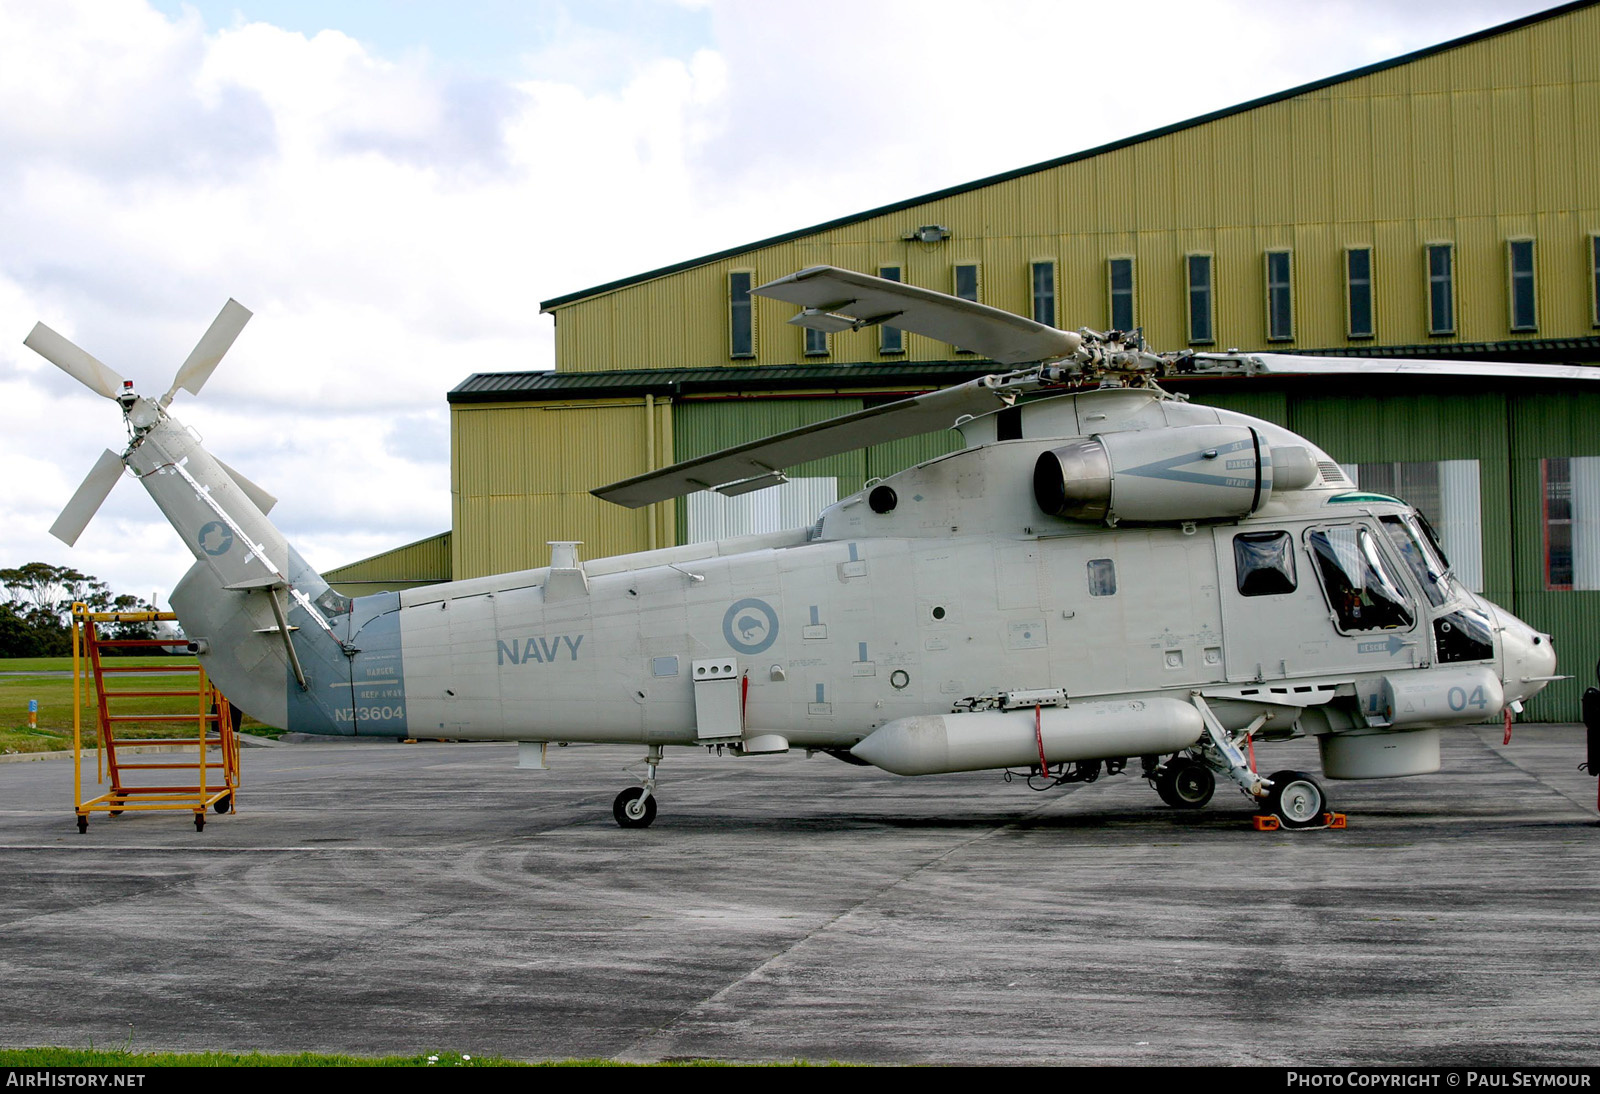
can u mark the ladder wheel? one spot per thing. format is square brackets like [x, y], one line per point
[199, 822]
[224, 804]
[83, 823]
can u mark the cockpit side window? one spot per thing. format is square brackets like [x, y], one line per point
[1263, 563]
[1363, 592]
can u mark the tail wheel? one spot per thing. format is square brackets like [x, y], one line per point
[633, 809]
[1185, 783]
[1296, 799]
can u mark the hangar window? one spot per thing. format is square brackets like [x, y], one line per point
[1119, 290]
[1571, 493]
[1447, 494]
[1263, 563]
[966, 287]
[1594, 277]
[816, 342]
[1358, 292]
[890, 339]
[1364, 594]
[1280, 297]
[1102, 577]
[741, 315]
[1520, 285]
[1044, 293]
[1441, 289]
[1197, 275]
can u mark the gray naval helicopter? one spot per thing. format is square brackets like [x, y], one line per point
[1105, 572]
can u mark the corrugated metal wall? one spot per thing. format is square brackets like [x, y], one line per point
[425, 562]
[1493, 139]
[520, 475]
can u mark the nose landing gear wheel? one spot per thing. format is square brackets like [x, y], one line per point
[1185, 783]
[1296, 799]
[633, 809]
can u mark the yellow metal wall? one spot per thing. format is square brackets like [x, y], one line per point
[520, 476]
[1492, 140]
[424, 562]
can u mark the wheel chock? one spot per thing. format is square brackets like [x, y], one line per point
[1268, 822]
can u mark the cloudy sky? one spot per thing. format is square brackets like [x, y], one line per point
[393, 186]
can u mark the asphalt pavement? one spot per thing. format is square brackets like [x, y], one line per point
[388, 898]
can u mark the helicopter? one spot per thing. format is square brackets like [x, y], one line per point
[1104, 573]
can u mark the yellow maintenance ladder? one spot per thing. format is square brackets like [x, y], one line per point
[214, 782]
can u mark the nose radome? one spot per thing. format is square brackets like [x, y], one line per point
[1529, 656]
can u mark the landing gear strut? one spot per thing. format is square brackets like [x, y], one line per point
[635, 807]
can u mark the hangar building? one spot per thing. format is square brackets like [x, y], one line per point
[1443, 204]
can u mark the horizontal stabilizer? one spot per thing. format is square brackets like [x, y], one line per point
[828, 293]
[760, 459]
[89, 497]
[259, 497]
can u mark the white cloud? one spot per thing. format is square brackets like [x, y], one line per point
[394, 225]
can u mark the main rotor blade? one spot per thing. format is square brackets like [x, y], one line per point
[1290, 364]
[208, 352]
[77, 363]
[87, 501]
[837, 299]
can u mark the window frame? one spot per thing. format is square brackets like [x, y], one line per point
[814, 343]
[1396, 574]
[956, 269]
[1209, 336]
[1046, 315]
[1274, 288]
[1448, 278]
[1132, 293]
[1518, 323]
[1546, 523]
[891, 340]
[1366, 285]
[1594, 279]
[748, 308]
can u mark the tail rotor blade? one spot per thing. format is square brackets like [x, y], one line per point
[208, 352]
[87, 501]
[80, 365]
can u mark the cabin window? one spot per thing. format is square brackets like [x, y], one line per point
[1197, 274]
[1520, 285]
[1447, 494]
[1358, 292]
[890, 339]
[1263, 563]
[1364, 594]
[1102, 577]
[816, 342]
[1571, 492]
[1044, 293]
[1119, 281]
[741, 315]
[1441, 289]
[1280, 297]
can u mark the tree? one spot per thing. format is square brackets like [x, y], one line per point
[36, 616]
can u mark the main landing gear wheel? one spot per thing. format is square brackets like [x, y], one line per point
[633, 808]
[1296, 799]
[1184, 783]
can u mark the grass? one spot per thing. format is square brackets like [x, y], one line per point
[54, 696]
[117, 1058]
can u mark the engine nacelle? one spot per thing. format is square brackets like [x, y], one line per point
[1198, 472]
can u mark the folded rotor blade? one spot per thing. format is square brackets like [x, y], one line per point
[258, 497]
[80, 365]
[87, 501]
[208, 352]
